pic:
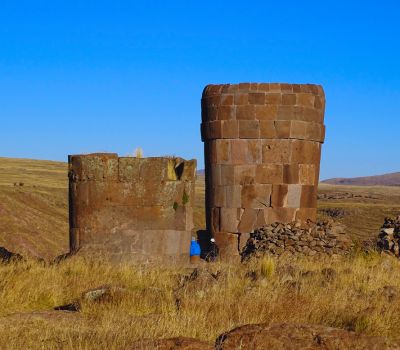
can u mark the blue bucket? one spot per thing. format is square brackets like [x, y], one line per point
[194, 248]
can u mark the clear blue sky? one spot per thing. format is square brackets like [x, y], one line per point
[86, 76]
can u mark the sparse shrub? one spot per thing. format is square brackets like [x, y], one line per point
[185, 198]
[267, 266]
[138, 153]
[361, 324]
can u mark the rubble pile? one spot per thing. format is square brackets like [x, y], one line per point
[323, 237]
[389, 236]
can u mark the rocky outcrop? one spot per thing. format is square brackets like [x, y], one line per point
[389, 237]
[276, 239]
[299, 337]
[102, 294]
[7, 256]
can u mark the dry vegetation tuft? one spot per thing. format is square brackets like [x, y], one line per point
[360, 293]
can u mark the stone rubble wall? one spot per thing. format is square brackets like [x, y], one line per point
[317, 239]
[262, 147]
[389, 237]
[132, 209]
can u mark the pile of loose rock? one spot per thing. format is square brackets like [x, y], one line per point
[389, 237]
[343, 195]
[334, 213]
[323, 237]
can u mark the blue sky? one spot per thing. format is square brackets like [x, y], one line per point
[86, 76]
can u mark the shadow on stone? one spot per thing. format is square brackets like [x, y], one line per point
[204, 237]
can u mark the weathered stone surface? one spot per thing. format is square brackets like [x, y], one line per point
[228, 244]
[134, 209]
[299, 337]
[268, 150]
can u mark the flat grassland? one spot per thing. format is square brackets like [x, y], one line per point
[360, 292]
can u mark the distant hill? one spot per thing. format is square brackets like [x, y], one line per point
[201, 172]
[392, 179]
[34, 206]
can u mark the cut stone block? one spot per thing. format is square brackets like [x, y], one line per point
[247, 112]
[291, 173]
[226, 113]
[230, 129]
[228, 245]
[267, 129]
[249, 129]
[279, 195]
[248, 220]
[269, 174]
[266, 112]
[282, 129]
[244, 174]
[294, 196]
[256, 196]
[228, 220]
[275, 151]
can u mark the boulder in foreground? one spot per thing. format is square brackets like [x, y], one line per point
[298, 337]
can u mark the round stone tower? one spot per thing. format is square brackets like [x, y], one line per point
[131, 209]
[262, 155]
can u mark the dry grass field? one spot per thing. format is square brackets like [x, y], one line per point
[356, 293]
[359, 292]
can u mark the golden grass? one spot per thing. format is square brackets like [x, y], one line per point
[297, 290]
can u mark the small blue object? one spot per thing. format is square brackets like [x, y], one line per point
[194, 248]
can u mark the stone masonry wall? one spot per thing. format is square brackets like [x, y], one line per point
[131, 209]
[262, 155]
